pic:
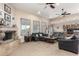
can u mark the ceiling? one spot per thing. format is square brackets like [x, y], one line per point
[40, 10]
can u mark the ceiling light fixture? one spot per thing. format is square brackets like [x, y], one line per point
[51, 5]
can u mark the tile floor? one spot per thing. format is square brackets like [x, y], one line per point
[39, 48]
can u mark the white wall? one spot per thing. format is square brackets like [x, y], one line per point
[60, 21]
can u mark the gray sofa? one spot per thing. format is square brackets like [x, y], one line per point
[69, 45]
[39, 36]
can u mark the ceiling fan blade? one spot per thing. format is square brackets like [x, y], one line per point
[50, 3]
[52, 6]
[65, 13]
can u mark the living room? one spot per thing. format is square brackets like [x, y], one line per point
[30, 29]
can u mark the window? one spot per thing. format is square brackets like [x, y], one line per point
[51, 29]
[44, 27]
[25, 27]
[36, 26]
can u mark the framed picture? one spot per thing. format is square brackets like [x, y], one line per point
[7, 17]
[1, 14]
[13, 18]
[7, 9]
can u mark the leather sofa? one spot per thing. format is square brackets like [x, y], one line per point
[69, 45]
[38, 36]
[34, 36]
[58, 35]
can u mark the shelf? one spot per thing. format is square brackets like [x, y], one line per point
[8, 29]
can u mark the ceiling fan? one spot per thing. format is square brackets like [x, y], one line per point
[51, 5]
[64, 13]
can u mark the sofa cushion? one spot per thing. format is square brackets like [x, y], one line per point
[40, 35]
[67, 38]
[36, 35]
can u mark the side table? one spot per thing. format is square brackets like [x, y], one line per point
[27, 38]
